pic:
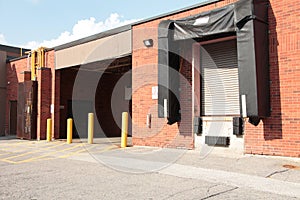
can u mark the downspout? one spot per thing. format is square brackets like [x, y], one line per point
[33, 66]
[45, 58]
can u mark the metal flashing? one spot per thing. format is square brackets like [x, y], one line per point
[12, 49]
[16, 59]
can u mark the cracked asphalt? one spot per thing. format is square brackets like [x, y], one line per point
[100, 171]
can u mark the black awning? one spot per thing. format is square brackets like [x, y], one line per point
[248, 19]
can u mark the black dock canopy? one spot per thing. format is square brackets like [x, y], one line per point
[248, 20]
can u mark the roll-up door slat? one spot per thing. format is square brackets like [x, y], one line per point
[219, 71]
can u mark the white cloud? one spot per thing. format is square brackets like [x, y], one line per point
[81, 29]
[2, 39]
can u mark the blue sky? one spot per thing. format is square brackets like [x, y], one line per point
[31, 23]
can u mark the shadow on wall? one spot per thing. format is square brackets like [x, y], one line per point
[186, 106]
[273, 124]
[3, 84]
[11, 100]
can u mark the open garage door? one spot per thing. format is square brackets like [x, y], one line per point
[89, 88]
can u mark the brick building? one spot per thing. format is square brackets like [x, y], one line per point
[222, 72]
[6, 53]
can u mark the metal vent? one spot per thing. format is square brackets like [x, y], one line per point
[218, 141]
[198, 125]
[238, 126]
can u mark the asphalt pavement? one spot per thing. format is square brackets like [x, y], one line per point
[56, 170]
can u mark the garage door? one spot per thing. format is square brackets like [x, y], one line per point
[219, 73]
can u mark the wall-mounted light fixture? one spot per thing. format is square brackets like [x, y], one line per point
[148, 42]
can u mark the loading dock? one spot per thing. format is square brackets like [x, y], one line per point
[89, 88]
[89, 70]
[225, 79]
[218, 92]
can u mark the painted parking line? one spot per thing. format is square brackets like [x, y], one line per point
[26, 145]
[12, 151]
[8, 161]
[32, 152]
[53, 146]
[82, 150]
[11, 144]
[111, 147]
[33, 158]
[49, 154]
[41, 145]
[72, 154]
[6, 153]
[45, 155]
[20, 155]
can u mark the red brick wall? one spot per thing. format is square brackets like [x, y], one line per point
[277, 135]
[280, 134]
[15, 74]
[44, 101]
[55, 92]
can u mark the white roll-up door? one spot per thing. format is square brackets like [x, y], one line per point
[219, 73]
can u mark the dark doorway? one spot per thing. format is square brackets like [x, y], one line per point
[90, 88]
[78, 110]
[13, 117]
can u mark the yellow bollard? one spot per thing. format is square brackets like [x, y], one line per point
[49, 129]
[91, 128]
[124, 129]
[69, 130]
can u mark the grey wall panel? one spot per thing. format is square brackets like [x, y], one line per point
[113, 46]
